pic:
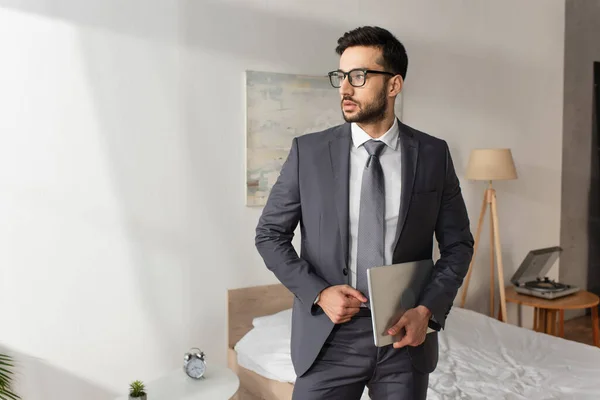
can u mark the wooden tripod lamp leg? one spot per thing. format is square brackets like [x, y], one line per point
[477, 236]
[498, 256]
[492, 284]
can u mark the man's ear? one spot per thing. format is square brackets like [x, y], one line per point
[396, 84]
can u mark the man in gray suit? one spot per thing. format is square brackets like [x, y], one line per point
[367, 193]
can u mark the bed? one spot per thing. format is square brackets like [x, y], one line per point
[480, 357]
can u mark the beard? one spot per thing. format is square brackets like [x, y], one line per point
[370, 113]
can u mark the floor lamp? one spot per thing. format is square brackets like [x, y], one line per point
[490, 165]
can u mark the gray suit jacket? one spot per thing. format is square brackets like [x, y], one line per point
[312, 189]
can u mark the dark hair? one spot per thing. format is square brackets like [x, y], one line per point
[394, 54]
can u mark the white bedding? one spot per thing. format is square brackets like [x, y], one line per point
[480, 358]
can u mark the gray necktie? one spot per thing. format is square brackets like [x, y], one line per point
[371, 220]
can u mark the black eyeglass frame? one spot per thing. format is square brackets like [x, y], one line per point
[347, 74]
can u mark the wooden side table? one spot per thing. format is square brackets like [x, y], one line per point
[545, 311]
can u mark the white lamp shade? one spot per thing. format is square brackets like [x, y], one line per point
[491, 165]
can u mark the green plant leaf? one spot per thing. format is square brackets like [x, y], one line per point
[6, 378]
[136, 389]
[6, 371]
[6, 394]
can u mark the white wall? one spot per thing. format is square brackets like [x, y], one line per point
[122, 155]
[96, 233]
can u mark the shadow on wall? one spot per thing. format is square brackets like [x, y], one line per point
[149, 130]
[132, 86]
[157, 160]
[136, 18]
[212, 25]
[37, 379]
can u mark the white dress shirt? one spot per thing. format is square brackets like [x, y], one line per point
[390, 160]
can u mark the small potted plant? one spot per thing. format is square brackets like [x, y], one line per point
[137, 391]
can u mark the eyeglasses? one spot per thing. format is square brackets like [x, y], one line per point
[357, 77]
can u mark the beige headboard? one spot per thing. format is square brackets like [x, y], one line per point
[256, 301]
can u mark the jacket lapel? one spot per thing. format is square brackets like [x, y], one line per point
[409, 153]
[339, 152]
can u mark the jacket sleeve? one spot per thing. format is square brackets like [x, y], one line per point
[275, 232]
[453, 234]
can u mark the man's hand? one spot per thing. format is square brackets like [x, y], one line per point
[340, 302]
[415, 323]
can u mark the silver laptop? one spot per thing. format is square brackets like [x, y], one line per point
[531, 279]
[392, 290]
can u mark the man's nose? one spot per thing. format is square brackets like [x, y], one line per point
[346, 89]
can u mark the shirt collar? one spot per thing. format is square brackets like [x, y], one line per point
[390, 138]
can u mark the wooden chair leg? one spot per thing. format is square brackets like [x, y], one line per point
[550, 322]
[595, 327]
[542, 319]
[561, 323]
[535, 318]
[539, 322]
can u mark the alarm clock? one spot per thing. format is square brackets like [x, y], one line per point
[194, 363]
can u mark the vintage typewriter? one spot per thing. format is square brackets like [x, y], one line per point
[531, 277]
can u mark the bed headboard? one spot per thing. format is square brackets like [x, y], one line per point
[244, 304]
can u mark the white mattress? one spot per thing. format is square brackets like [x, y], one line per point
[480, 358]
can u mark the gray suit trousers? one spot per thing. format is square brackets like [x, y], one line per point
[349, 361]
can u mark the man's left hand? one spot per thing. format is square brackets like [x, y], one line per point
[415, 323]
